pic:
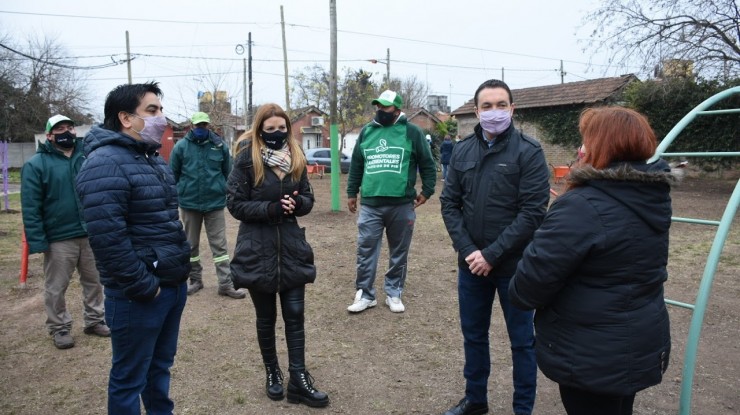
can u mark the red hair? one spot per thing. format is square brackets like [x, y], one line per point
[614, 134]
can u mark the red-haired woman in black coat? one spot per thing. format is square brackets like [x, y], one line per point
[596, 267]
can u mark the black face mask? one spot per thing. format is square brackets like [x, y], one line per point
[65, 140]
[385, 118]
[275, 140]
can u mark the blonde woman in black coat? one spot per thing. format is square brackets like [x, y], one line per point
[267, 190]
[596, 267]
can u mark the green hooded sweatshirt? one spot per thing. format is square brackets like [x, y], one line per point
[385, 161]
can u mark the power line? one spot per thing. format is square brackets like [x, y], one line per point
[131, 19]
[296, 25]
[427, 42]
[189, 75]
[60, 65]
[440, 65]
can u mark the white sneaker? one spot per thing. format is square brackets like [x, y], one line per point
[361, 304]
[395, 304]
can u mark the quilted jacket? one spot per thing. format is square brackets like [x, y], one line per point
[129, 201]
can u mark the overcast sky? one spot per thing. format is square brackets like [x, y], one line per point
[451, 45]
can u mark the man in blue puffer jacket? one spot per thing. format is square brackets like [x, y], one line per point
[129, 200]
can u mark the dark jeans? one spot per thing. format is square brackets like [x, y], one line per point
[144, 343]
[581, 402]
[476, 296]
[292, 306]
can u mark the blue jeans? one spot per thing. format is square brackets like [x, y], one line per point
[144, 343]
[445, 166]
[398, 222]
[475, 296]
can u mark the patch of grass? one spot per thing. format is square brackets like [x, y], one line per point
[14, 175]
[11, 225]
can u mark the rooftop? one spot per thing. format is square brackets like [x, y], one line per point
[571, 93]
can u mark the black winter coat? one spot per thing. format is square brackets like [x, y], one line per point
[129, 200]
[495, 198]
[595, 272]
[445, 151]
[271, 253]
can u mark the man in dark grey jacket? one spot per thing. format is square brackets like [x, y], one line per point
[495, 197]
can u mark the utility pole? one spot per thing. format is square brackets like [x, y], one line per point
[247, 85]
[128, 58]
[562, 73]
[244, 88]
[285, 63]
[388, 66]
[502, 74]
[250, 114]
[333, 132]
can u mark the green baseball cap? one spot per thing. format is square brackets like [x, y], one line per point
[53, 121]
[200, 117]
[388, 98]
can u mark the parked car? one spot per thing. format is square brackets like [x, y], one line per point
[322, 156]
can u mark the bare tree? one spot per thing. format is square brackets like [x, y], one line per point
[216, 101]
[705, 33]
[310, 87]
[355, 90]
[413, 91]
[37, 81]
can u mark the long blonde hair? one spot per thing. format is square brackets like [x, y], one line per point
[298, 159]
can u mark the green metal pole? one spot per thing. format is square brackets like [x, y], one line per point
[702, 298]
[705, 287]
[335, 167]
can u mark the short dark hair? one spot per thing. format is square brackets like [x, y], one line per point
[492, 83]
[126, 98]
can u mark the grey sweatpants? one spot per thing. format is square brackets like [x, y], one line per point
[398, 222]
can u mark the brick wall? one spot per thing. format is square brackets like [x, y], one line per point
[554, 154]
[424, 122]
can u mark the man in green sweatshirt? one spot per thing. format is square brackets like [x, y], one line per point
[388, 153]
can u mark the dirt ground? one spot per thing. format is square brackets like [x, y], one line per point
[375, 362]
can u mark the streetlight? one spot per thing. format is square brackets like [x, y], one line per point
[387, 64]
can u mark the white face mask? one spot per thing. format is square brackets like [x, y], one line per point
[154, 127]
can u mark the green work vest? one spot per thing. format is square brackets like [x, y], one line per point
[386, 151]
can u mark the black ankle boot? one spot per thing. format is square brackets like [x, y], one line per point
[274, 382]
[300, 389]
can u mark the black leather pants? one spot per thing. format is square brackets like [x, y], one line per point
[292, 306]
